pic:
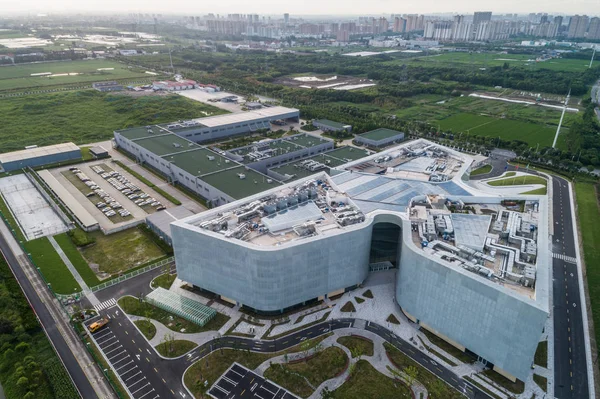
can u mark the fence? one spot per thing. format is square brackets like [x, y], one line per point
[145, 269]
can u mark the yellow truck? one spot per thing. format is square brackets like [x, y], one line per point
[95, 326]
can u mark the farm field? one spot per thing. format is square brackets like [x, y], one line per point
[507, 129]
[86, 116]
[19, 76]
[482, 60]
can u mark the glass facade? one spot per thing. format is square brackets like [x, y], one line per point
[385, 243]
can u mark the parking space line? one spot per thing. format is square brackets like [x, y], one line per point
[139, 372]
[100, 336]
[118, 361]
[133, 393]
[126, 364]
[106, 340]
[116, 342]
[146, 393]
[118, 354]
[138, 381]
[112, 350]
[125, 372]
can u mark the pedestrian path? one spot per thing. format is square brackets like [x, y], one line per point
[86, 290]
[106, 304]
[566, 258]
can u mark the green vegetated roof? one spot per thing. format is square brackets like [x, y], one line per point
[306, 140]
[230, 182]
[327, 122]
[141, 132]
[348, 154]
[380, 134]
[166, 144]
[200, 161]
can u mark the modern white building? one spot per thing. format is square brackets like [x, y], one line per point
[471, 267]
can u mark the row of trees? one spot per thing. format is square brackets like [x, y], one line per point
[29, 368]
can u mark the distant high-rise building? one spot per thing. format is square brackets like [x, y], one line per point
[558, 20]
[594, 30]
[481, 16]
[343, 36]
[415, 22]
[578, 26]
[399, 24]
[286, 18]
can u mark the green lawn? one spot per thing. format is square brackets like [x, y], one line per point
[86, 116]
[164, 280]
[541, 354]
[119, 252]
[514, 387]
[84, 71]
[541, 381]
[52, 266]
[507, 129]
[362, 345]
[589, 223]
[448, 348]
[477, 60]
[324, 365]
[518, 181]
[146, 327]
[348, 307]
[367, 383]
[482, 170]
[133, 306]
[175, 348]
[425, 377]
[77, 260]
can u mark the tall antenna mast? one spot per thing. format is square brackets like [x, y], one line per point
[593, 55]
[171, 59]
[561, 119]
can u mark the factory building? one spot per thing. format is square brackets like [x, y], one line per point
[379, 138]
[269, 153]
[220, 127]
[331, 126]
[38, 156]
[471, 269]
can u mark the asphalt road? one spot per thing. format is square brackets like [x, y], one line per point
[145, 374]
[570, 367]
[64, 352]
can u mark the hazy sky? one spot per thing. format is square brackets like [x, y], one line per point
[303, 7]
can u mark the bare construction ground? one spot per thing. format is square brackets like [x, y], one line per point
[334, 82]
[34, 215]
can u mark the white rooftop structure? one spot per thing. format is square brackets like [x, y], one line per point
[248, 116]
[36, 152]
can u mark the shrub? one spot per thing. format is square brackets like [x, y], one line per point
[80, 238]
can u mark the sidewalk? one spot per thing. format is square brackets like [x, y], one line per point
[86, 290]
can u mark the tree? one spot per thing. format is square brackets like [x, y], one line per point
[356, 353]
[411, 373]
[437, 389]
[169, 340]
[305, 348]
[327, 394]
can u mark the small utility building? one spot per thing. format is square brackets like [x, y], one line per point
[37, 156]
[379, 138]
[330, 126]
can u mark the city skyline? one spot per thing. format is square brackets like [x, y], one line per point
[307, 8]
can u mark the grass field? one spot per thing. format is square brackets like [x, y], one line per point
[357, 345]
[362, 380]
[518, 181]
[324, 365]
[86, 116]
[176, 348]
[118, 252]
[52, 266]
[77, 260]
[588, 214]
[507, 129]
[83, 71]
[482, 170]
[480, 60]
[146, 327]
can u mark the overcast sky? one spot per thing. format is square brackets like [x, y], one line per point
[303, 7]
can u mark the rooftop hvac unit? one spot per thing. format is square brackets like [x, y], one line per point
[241, 176]
[269, 181]
[227, 161]
[176, 145]
[210, 157]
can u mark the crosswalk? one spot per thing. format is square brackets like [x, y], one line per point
[106, 304]
[566, 258]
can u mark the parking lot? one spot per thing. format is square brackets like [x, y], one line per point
[115, 188]
[239, 382]
[127, 364]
